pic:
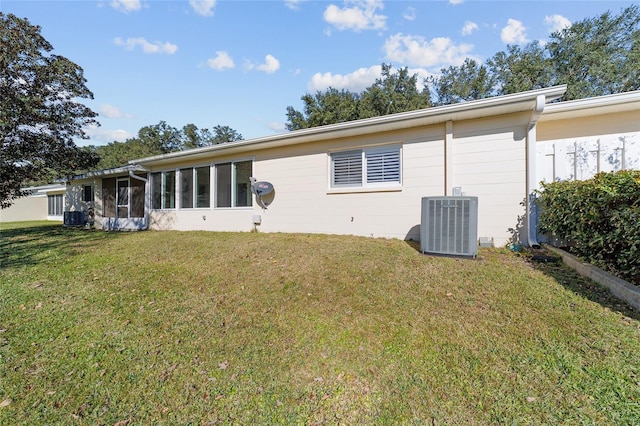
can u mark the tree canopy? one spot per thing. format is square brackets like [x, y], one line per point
[161, 138]
[391, 93]
[595, 56]
[40, 116]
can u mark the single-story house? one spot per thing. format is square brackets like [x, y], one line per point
[368, 177]
[44, 202]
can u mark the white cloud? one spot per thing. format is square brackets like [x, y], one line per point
[358, 80]
[409, 14]
[110, 111]
[357, 15]
[277, 127]
[416, 50]
[126, 6]
[456, 2]
[469, 27]
[293, 4]
[147, 47]
[221, 61]
[104, 136]
[556, 23]
[514, 32]
[271, 65]
[203, 7]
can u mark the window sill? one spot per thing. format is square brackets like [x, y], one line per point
[356, 190]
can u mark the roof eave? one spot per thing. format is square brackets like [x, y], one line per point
[518, 102]
[608, 104]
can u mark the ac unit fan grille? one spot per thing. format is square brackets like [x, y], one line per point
[449, 225]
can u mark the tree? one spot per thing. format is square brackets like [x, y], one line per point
[39, 113]
[328, 107]
[223, 134]
[593, 57]
[598, 56]
[467, 82]
[521, 69]
[391, 93]
[161, 138]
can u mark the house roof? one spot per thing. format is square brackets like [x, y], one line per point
[499, 105]
[609, 104]
[134, 167]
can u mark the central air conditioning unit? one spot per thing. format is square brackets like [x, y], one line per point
[449, 226]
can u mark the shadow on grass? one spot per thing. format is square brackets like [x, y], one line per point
[584, 287]
[31, 245]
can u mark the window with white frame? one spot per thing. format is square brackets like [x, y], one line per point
[195, 187]
[163, 190]
[233, 188]
[54, 204]
[366, 168]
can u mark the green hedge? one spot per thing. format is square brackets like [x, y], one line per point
[599, 219]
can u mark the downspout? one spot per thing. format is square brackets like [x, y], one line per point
[531, 212]
[146, 198]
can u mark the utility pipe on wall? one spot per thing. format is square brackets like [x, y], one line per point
[531, 213]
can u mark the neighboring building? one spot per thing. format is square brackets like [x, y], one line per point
[44, 203]
[367, 177]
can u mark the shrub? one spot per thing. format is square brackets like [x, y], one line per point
[598, 218]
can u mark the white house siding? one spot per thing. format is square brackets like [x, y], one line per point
[303, 199]
[578, 148]
[34, 206]
[25, 209]
[489, 162]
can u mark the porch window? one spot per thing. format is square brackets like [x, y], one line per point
[233, 188]
[123, 197]
[186, 188]
[195, 187]
[366, 168]
[163, 190]
[169, 190]
[203, 186]
[54, 205]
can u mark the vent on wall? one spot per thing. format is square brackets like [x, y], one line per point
[449, 226]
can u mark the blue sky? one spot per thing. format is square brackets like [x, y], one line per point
[241, 63]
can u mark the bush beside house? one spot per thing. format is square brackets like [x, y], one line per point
[598, 218]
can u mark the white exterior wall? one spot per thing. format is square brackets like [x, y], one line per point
[487, 161]
[34, 206]
[577, 149]
[305, 203]
[26, 208]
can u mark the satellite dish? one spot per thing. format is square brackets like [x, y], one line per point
[263, 188]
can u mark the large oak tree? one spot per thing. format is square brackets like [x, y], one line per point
[40, 115]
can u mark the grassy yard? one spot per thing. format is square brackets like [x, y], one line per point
[207, 328]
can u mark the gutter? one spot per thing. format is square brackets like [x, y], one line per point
[531, 211]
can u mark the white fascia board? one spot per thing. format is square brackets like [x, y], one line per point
[111, 172]
[517, 102]
[608, 104]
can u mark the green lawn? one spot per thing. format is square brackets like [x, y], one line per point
[250, 328]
